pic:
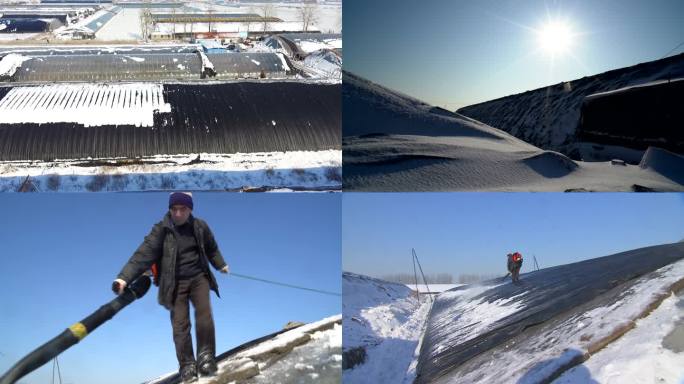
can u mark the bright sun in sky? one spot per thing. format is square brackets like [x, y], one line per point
[555, 37]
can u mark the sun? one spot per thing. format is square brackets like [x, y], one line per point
[555, 37]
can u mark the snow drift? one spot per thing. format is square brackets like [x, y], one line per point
[554, 319]
[382, 325]
[393, 142]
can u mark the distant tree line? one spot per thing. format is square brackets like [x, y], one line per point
[439, 278]
[472, 278]
[407, 278]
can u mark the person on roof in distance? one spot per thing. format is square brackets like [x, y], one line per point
[179, 250]
[515, 261]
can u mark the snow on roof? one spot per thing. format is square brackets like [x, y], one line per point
[213, 117]
[634, 87]
[86, 104]
[580, 306]
[10, 63]
[306, 354]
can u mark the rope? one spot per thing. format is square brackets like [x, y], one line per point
[672, 50]
[285, 284]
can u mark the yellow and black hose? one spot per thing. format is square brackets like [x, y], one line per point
[75, 332]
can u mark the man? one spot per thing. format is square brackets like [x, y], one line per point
[181, 247]
[515, 261]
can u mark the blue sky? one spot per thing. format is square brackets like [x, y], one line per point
[62, 251]
[472, 232]
[455, 53]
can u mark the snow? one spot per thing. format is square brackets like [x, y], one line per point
[255, 62]
[323, 64]
[471, 316]
[124, 26]
[318, 361]
[548, 117]
[307, 170]
[136, 59]
[10, 63]
[87, 104]
[284, 62]
[206, 63]
[310, 353]
[640, 356]
[285, 339]
[387, 320]
[397, 143]
[315, 45]
[539, 354]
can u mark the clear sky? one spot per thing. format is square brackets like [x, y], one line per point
[472, 232]
[454, 53]
[60, 253]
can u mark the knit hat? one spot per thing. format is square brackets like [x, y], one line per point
[180, 198]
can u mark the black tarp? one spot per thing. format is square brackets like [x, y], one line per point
[636, 117]
[548, 293]
[24, 25]
[211, 118]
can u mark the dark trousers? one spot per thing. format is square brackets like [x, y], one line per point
[196, 290]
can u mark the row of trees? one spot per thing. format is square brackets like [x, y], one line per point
[438, 278]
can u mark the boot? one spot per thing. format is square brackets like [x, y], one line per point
[188, 373]
[207, 364]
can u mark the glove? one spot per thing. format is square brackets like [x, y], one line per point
[225, 269]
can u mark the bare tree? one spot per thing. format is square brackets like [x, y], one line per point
[146, 23]
[308, 13]
[267, 12]
[248, 21]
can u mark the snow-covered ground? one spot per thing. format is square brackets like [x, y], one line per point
[393, 142]
[306, 170]
[387, 321]
[124, 26]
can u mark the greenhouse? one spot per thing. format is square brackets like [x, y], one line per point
[130, 120]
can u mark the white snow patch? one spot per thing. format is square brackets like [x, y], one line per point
[639, 356]
[136, 59]
[308, 170]
[533, 359]
[87, 104]
[10, 63]
[255, 62]
[283, 62]
[180, 66]
[387, 321]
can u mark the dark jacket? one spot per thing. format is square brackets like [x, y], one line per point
[160, 247]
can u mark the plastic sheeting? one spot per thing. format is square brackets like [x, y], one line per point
[138, 66]
[636, 117]
[548, 293]
[242, 117]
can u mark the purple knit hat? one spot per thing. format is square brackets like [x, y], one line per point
[180, 198]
